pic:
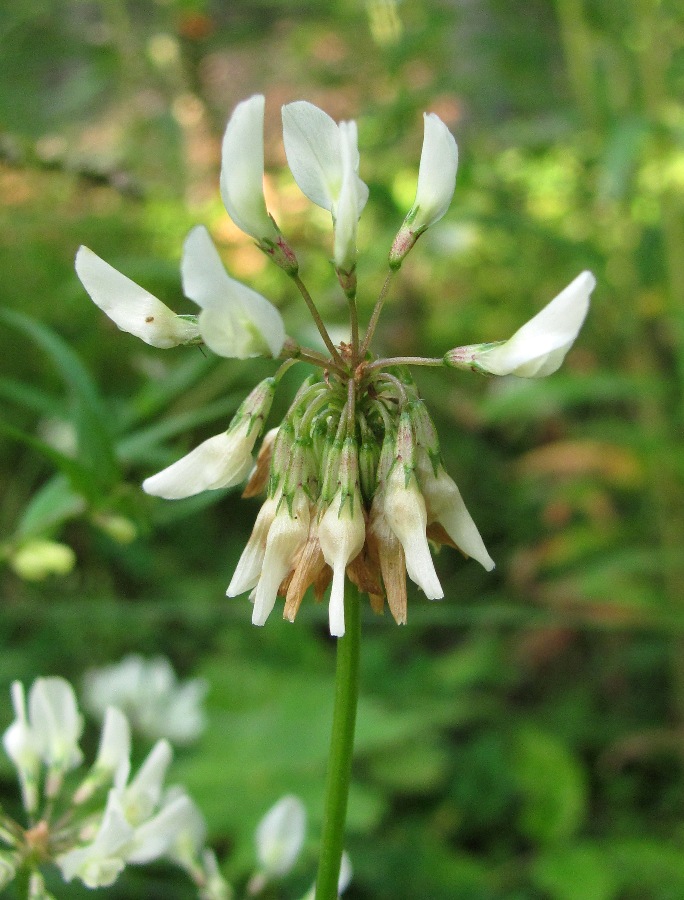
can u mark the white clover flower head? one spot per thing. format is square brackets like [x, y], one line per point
[280, 836]
[540, 346]
[235, 321]
[354, 479]
[131, 307]
[154, 700]
[138, 823]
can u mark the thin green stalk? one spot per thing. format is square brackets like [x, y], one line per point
[376, 315]
[322, 330]
[406, 361]
[341, 748]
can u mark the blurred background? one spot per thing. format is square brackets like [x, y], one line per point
[523, 739]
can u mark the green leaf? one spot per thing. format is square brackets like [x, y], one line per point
[49, 507]
[80, 477]
[95, 445]
[552, 787]
[28, 396]
[582, 872]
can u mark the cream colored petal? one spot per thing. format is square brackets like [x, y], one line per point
[130, 307]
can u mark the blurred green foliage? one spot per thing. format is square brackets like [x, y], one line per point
[524, 739]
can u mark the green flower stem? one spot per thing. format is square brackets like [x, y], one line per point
[341, 748]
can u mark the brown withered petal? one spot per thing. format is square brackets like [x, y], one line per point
[258, 477]
[365, 575]
[322, 582]
[307, 568]
[393, 568]
[436, 533]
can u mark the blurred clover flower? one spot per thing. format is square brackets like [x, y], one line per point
[110, 819]
[149, 693]
[353, 475]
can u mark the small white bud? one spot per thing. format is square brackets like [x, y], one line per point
[280, 836]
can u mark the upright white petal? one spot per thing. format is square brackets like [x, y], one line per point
[130, 307]
[221, 461]
[56, 723]
[348, 206]
[242, 170]
[115, 741]
[23, 749]
[341, 533]
[312, 147]
[324, 160]
[405, 512]
[436, 174]
[540, 346]
[235, 321]
[280, 836]
[286, 535]
[445, 505]
[143, 794]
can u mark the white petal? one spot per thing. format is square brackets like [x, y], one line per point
[99, 863]
[155, 836]
[407, 517]
[346, 873]
[539, 347]
[286, 535]
[143, 794]
[56, 722]
[130, 307]
[236, 321]
[280, 835]
[437, 172]
[219, 462]
[251, 561]
[115, 741]
[312, 147]
[348, 207]
[242, 170]
[341, 537]
[336, 605]
[445, 505]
